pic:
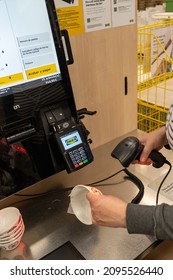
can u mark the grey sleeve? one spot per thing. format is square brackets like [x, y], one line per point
[150, 220]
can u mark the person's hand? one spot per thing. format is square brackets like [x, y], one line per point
[154, 140]
[107, 210]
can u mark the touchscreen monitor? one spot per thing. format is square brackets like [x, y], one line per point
[33, 70]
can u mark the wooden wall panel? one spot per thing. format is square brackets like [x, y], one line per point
[102, 60]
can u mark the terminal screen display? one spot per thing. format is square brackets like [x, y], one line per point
[71, 140]
[28, 57]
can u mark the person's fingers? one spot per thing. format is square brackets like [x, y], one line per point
[144, 158]
[91, 197]
[144, 161]
[95, 191]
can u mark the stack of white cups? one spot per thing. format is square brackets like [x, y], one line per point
[11, 228]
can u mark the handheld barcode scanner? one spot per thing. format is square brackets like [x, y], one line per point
[130, 149]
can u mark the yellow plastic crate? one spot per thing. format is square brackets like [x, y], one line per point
[150, 116]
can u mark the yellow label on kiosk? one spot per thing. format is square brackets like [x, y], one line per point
[11, 79]
[41, 71]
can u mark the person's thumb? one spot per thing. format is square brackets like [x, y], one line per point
[91, 197]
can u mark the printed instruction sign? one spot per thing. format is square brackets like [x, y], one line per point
[70, 16]
[97, 14]
[123, 12]
[161, 51]
[79, 16]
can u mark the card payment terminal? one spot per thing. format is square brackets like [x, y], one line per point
[74, 147]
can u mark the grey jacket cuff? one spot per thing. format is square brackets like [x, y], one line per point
[140, 219]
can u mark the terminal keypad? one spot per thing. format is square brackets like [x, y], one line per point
[78, 157]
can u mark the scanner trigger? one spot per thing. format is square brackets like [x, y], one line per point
[130, 149]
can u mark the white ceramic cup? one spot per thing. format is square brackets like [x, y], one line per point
[13, 236]
[12, 245]
[13, 231]
[9, 219]
[80, 204]
[11, 228]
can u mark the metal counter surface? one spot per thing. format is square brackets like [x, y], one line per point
[48, 225]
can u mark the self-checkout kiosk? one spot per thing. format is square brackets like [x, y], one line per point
[41, 129]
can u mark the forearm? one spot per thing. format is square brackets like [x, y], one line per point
[150, 220]
[162, 132]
